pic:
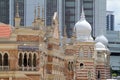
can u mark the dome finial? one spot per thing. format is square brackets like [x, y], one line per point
[82, 14]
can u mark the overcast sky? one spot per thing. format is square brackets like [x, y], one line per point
[114, 5]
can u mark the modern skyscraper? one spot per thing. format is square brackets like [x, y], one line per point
[70, 13]
[51, 7]
[69, 16]
[8, 10]
[110, 20]
[4, 11]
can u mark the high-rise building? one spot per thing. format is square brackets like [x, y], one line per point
[8, 10]
[51, 7]
[110, 20]
[4, 11]
[69, 13]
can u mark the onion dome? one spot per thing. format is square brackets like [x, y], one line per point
[100, 46]
[91, 38]
[5, 30]
[82, 29]
[102, 39]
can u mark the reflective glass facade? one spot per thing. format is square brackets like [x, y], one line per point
[51, 7]
[70, 13]
[110, 22]
[89, 12]
[4, 11]
[69, 16]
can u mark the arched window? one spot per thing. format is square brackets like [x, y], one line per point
[20, 59]
[72, 66]
[69, 68]
[81, 53]
[30, 60]
[34, 60]
[5, 59]
[98, 76]
[25, 60]
[81, 65]
[0, 59]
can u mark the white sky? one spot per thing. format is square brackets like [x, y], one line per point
[114, 5]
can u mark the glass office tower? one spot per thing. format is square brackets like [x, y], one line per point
[70, 10]
[4, 11]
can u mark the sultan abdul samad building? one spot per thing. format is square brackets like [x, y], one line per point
[36, 54]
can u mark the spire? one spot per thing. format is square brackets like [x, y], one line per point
[42, 13]
[82, 14]
[17, 17]
[38, 11]
[17, 10]
[35, 17]
[55, 26]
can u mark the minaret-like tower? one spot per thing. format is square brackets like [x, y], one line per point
[35, 16]
[34, 23]
[43, 19]
[38, 12]
[17, 17]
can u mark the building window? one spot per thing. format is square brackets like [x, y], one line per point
[20, 59]
[34, 60]
[30, 60]
[70, 66]
[0, 62]
[5, 59]
[0, 59]
[5, 62]
[98, 75]
[25, 60]
[81, 65]
[4, 65]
